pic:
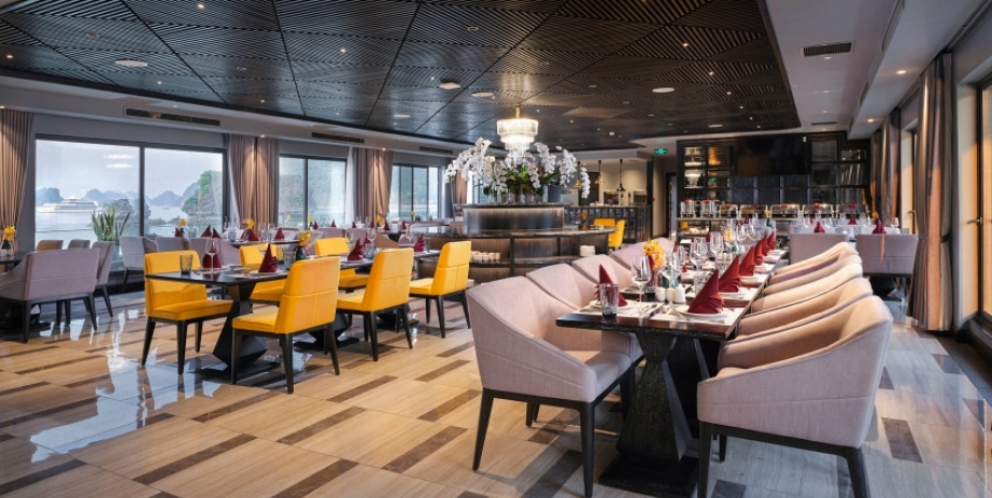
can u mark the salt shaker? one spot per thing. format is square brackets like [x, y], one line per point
[678, 295]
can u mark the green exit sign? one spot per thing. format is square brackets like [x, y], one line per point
[660, 152]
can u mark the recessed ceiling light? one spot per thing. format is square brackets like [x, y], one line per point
[824, 112]
[449, 85]
[611, 133]
[120, 62]
[538, 110]
[262, 136]
[742, 107]
[432, 78]
[750, 118]
[158, 82]
[901, 71]
[712, 73]
[729, 92]
[828, 57]
[625, 102]
[663, 89]
[174, 106]
[871, 120]
[241, 68]
[717, 125]
[263, 101]
[826, 91]
[3, 107]
[401, 116]
[571, 120]
[592, 86]
[650, 115]
[482, 94]
[473, 28]
[759, 126]
[685, 44]
[201, 6]
[343, 50]
[92, 34]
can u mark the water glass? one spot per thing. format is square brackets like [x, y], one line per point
[699, 279]
[288, 258]
[185, 264]
[609, 296]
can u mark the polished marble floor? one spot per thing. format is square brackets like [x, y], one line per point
[80, 417]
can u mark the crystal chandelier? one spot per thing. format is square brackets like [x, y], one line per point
[516, 134]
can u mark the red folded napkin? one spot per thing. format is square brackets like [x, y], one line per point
[269, 262]
[206, 232]
[730, 281]
[385, 226]
[708, 301]
[853, 221]
[214, 233]
[747, 264]
[819, 228]
[604, 278]
[178, 233]
[209, 262]
[354, 225]
[403, 225]
[334, 224]
[879, 228]
[421, 244]
[280, 235]
[358, 253]
[314, 225]
[252, 236]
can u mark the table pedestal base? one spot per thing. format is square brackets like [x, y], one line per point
[634, 474]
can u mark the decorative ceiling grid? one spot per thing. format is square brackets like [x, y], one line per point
[583, 68]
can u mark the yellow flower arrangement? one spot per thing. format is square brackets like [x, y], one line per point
[9, 233]
[653, 249]
[310, 220]
[584, 215]
[378, 220]
[249, 223]
[728, 234]
[305, 237]
[182, 222]
[874, 216]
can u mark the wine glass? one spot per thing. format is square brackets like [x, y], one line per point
[641, 274]
[699, 253]
[211, 251]
[672, 270]
[716, 244]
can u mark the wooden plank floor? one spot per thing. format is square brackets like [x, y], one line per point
[80, 417]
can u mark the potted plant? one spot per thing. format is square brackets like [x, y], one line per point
[106, 227]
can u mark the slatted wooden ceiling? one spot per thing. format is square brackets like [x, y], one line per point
[583, 68]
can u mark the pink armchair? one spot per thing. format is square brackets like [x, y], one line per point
[51, 276]
[49, 245]
[803, 246]
[827, 258]
[133, 250]
[524, 356]
[625, 256]
[809, 387]
[589, 267]
[806, 291]
[814, 276]
[806, 310]
[565, 284]
[166, 244]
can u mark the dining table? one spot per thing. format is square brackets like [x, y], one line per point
[660, 426]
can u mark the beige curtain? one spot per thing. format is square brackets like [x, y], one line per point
[875, 171]
[15, 150]
[931, 291]
[459, 189]
[373, 179]
[888, 187]
[254, 166]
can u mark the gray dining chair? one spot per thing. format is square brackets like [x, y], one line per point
[49, 245]
[166, 244]
[79, 244]
[103, 272]
[133, 250]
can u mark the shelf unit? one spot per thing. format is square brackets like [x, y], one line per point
[636, 226]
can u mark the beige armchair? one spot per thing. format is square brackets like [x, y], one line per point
[805, 310]
[803, 246]
[813, 277]
[810, 387]
[524, 356]
[565, 284]
[133, 250]
[50, 277]
[807, 291]
[626, 255]
[887, 255]
[589, 267]
[822, 260]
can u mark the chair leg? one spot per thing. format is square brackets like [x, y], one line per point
[480, 435]
[26, 319]
[124, 283]
[91, 308]
[199, 335]
[235, 356]
[856, 467]
[723, 447]
[440, 313]
[106, 300]
[332, 344]
[587, 424]
[287, 360]
[68, 315]
[468, 320]
[532, 411]
[705, 440]
[427, 309]
[373, 332]
[58, 313]
[149, 331]
[181, 329]
[406, 326]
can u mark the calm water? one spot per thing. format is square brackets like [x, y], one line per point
[68, 226]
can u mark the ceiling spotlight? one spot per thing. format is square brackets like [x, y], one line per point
[871, 120]
[158, 82]
[262, 101]
[824, 112]
[241, 68]
[751, 118]
[625, 102]
[482, 94]
[712, 73]
[119, 62]
[663, 89]
[901, 72]
[92, 34]
[717, 125]
[650, 115]
[826, 91]
[449, 85]
[759, 126]
[432, 78]
[201, 6]
[828, 57]
[742, 107]
[729, 92]
[401, 116]
[343, 50]
[611, 133]
[473, 28]
[685, 45]
[592, 86]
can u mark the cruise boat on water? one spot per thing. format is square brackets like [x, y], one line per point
[70, 205]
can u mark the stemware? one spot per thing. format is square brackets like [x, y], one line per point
[699, 253]
[641, 274]
[672, 271]
[716, 243]
[211, 251]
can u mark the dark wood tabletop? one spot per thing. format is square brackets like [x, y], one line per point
[221, 277]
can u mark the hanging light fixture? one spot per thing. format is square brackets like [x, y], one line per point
[516, 134]
[621, 189]
[599, 173]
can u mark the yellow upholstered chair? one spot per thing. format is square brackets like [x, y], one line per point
[264, 292]
[450, 278]
[604, 222]
[307, 304]
[388, 289]
[616, 238]
[177, 302]
[334, 246]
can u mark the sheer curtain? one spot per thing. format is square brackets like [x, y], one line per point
[254, 163]
[15, 150]
[931, 291]
[373, 179]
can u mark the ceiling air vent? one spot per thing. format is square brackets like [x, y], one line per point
[827, 49]
[337, 138]
[436, 150]
[824, 123]
[166, 116]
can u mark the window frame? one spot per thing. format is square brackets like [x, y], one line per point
[306, 176]
[440, 190]
[984, 135]
[142, 145]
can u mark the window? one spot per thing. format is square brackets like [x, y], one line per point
[183, 184]
[76, 180]
[314, 186]
[985, 210]
[415, 191]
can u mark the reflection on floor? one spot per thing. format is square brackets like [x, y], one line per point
[79, 417]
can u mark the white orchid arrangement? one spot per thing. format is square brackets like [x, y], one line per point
[498, 175]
